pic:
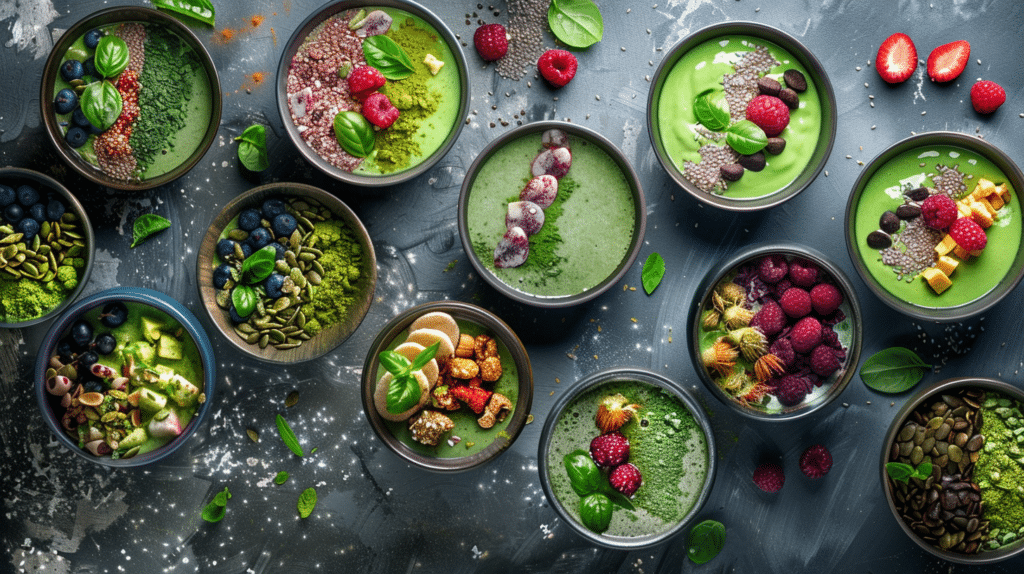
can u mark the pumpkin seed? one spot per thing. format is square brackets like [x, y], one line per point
[253, 435]
[238, 234]
[286, 346]
[291, 399]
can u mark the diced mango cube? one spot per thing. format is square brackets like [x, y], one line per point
[996, 201]
[961, 253]
[964, 207]
[945, 246]
[983, 188]
[947, 265]
[936, 279]
[1004, 192]
[981, 215]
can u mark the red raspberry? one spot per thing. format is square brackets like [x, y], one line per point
[491, 41]
[626, 479]
[769, 113]
[610, 450]
[379, 110]
[968, 234]
[825, 298]
[783, 349]
[939, 211]
[986, 96]
[792, 389]
[796, 302]
[824, 361]
[769, 477]
[557, 67]
[805, 335]
[364, 81]
[772, 268]
[770, 318]
[803, 273]
[816, 461]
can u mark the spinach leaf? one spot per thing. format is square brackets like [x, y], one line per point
[584, 476]
[577, 23]
[745, 137]
[146, 225]
[596, 512]
[201, 10]
[101, 104]
[354, 132]
[285, 430]
[244, 298]
[214, 511]
[706, 541]
[388, 57]
[307, 502]
[259, 265]
[111, 56]
[711, 109]
[653, 271]
[893, 370]
[252, 148]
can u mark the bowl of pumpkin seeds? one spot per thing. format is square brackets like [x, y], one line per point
[286, 272]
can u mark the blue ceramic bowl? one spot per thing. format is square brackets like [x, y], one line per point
[50, 405]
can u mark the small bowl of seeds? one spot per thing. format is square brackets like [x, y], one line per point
[46, 248]
[286, 272]
[952, 471]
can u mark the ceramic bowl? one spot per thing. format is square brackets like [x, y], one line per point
[46, 186]
[571, 426]
[601, 220]
[453, 77]
[945, 392]
[174, 323]
[764, 404]
[294, 341]
[474, 445]
[978, 282]
[671, 119]
[193, 138]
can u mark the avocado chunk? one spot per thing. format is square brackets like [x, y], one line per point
[151, 328]
[169, 348]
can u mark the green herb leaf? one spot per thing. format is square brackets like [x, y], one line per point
[596, 512]
[259, 265]
[403, 393]
[706, 541]
[201, 10]
[354, 132]
[388, 57]
[893, 370]
[111, 56]
[394, 363]
[101, 104]
[577, 23]
[244, 299]
[923, 470]
[899, 471]
[214, 511]
[281, 477]
[252, 148]
[711, 109]
[615, 496]
[745, 137]
[584, 476]
[424, 357]
[307, 502]
[288, 436]
[653, 271]
[147, 225]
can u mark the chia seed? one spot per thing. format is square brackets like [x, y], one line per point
[526, 24]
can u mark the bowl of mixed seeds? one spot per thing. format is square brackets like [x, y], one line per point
[286, 272]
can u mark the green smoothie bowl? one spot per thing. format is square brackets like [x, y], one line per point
[130, 98]
[627, 458]
[125, 377]
[373, 93]
[742, 116]
[447, 386]
[46, 248]
[933, 226]
[551, 214]
[952, 471]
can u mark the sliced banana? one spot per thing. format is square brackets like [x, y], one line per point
[380, 397]
[410, 350]
[428, 337]
[442, 322]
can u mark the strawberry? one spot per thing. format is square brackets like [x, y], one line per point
[968, 234]
[769, 477]
[613, 412]
[379, 110]
[896, 59]
[626, 479]
[947, 61]
[986, 96]
[364, 81]
[491, 41]
[474, 397]
[557, 67]
[610, 450]
[769, 113]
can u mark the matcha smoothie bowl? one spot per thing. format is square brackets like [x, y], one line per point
[741, 116]
[373, 94]
[627, 458]
[130, 98]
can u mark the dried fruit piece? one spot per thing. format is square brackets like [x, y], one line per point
[541, 190]
[525, 215]
[512, 250]
[552, 161]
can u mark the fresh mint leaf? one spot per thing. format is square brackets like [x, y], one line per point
[146, 225]
[101, 104]
[259, 265]
[923, 470]
[215, 510]
[653, 272]
[745, 137]
[244, 299]
[252, 148]
[307, 502]
[354, 133]
[577, 23]
[111, 56]
[893, 370]
[596, 512]
[281, 477]
[711, 109]
[388, 57]
[899, 471]
[706, 540]
[201, 10]
[285, 430]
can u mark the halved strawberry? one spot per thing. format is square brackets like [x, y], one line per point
[613, 412]
[897, 58]
[947, 61]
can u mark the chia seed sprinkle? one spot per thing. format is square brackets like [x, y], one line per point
[526, 24]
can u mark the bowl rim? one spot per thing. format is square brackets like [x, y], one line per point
[645, 376]
[715, 274]
[806, 59]
[500, 330]
[632, 180]
[113, 15]
[90, 239]
[936, 314]
[298, 37]
[890, 436]
[161, 302]
[207, 249]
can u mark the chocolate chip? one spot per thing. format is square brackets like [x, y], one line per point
[795, 79]
[889, 222]
[918, 194]
[775, 145]
[907, 211]
[731, 171]
[768, 86]
[753, 162]
[789, 97]
[879, 240]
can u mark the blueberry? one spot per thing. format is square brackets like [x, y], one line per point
[90, 67]
[38, 212]
[114, 314]
[92, 386]
[280, 251]
[88, 359]
[105, 344]
[284, 224]
[92, 38]
[27, 195]
[13, 213]
[66, 101]
[225, 248]
[272, 208]
[235, 317]
[65, 348]
[76, 137]
[260, 238]
[246, 249]
[273, 284]
[81, 333]
[78, 118]
[72, 70]
[55, 210]
[28, 226]
[221, 275]
[7, 195]
[249, 219]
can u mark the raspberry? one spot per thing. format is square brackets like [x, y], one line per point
[796, 302]
[379, 110]
[364, 81]
[769, 477]
[783, 349]
[803, 273]
[491, 41]
[626, 479]
[968, 234]
[805, 335]
[939, 211]
[792, 389]
[772, 269]
[816, 461]
[770, 318]
[769, 113]
[825, 298]
[824, 361]
[781, 287]
[557, 67]
[986, 96]
[610, 450]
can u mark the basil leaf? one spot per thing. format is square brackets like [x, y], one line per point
[215, 510]
[424, 357]
[259, 265]
[388, 57]
[577, 23]
[281, 477]
[244, 300]
[893, 370]
[307, 502]
[706, 541]
[616, 497]
[252, 148]
[111, 56]
[101, 104]
[403, 393]
[394, 363]
[146, 225]
[596, 512]
[923, 470]
[354, 132]
[201, 10]
[584, 476]
[745, 137]
[288, 436]
[899, 471]
[653, 271]
[711, 109]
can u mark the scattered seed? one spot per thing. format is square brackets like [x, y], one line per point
[291, 399]
[253, 435]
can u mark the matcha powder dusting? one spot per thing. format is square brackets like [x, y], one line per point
[342, 261]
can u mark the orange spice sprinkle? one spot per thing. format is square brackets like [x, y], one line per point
[256, 20]
[258, 78]
[227, 34]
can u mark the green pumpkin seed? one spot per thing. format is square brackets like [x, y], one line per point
[286, 346]
[291, 399]
[264, 340]
[276, 336]
[238, 234]
[253, 435]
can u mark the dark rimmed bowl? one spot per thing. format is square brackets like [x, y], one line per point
[817, 75]
[856, 233]
[496, 328]
[820, 397]
[591, 138]
[292, 47]
[52, 69]
[548, 467]
[156, 300]
[329, 338]
[45, 183]
[924, 395]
